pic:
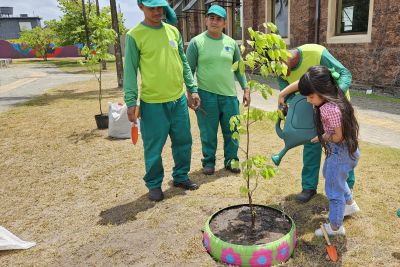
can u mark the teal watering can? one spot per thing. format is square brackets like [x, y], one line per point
[299, 127]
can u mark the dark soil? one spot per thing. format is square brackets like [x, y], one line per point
[233, 225]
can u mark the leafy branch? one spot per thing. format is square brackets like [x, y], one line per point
[266, 56]
[102, 38]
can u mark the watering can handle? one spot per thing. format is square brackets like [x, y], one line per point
[278, 128]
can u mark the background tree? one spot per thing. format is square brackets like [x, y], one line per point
[40, 39]
[102, 37]
[117, 44]
[69, 27]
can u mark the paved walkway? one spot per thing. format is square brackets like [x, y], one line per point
[21, 82]
[379, 120]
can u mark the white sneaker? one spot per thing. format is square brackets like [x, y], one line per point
[351, 209]
[329, 230]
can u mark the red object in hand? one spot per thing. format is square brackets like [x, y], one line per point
[134, 133]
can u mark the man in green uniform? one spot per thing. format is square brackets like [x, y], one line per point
[302, 58]
[155, 48]
[211, 55]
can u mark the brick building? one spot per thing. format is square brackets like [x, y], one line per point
[363, 34]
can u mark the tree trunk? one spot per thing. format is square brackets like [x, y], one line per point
[117, 44]
[100, 93]
[103, 62]
[86, 23]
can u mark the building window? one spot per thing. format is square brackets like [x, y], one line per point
[278, 12]
[280, 18]
[25, 26]
[349, 21]
[352, 17]
[194, 24]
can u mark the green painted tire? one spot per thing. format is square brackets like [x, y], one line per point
[268, 254]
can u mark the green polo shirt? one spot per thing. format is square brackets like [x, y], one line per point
[212, 61]
[157, 52]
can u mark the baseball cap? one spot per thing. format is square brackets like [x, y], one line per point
[217, 10]
[153, 3]
[169, 13]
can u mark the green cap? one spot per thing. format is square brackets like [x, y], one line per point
[169, 13]
[153, 3]
[217, 10]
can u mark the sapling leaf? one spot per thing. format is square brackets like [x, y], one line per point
[241, 67]
[235, 66]
[235, 164]
[235, 136]
[244, 190]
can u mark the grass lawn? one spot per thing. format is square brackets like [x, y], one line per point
[81, 197]
[70, 65]
[376, 97]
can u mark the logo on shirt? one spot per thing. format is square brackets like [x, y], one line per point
[172, 43]
[227, 49]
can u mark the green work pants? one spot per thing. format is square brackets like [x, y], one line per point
[311, 164]
[215, 110]
[157, 122]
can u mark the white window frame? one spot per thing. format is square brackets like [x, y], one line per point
[332, 38]
[269, 16]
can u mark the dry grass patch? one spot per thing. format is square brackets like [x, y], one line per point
[70, 65]
[81, 197]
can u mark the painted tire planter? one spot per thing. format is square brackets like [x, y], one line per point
[267, 254]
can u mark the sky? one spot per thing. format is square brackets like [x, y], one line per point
[48, 9]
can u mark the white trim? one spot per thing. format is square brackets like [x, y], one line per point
[269, 17]
[332, 38]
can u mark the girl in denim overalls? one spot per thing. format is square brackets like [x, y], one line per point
[337, 130]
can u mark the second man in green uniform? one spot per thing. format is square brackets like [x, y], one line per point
[211, 55]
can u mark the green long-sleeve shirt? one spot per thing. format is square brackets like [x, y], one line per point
[211, 59]
[312, 54]
[157, 52]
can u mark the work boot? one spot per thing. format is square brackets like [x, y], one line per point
[187, 185]
[208, 170]
[306, 195]
[233, 170]
[156, 194]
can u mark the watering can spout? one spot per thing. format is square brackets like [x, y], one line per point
[278, 157]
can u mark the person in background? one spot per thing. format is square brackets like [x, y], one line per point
[211, 55]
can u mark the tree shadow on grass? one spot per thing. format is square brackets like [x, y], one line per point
[200, 178]
[7, 252]
[50, 97]
[75, 138]
[127, 212]
[396, 255]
